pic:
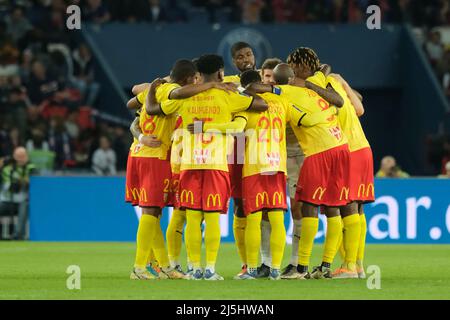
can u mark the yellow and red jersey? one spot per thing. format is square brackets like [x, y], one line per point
[318, 138]
[348, 119]
[265, 147]
[176, 151]
[159, 126]
[206, 151]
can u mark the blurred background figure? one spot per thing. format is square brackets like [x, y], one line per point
[447, 174]
[390, 169]
[15, 176]
[84, 74]
[156, 13]
[104, 159]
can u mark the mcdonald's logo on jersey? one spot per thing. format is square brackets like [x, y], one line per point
[344, 193]
[363, 191]
[215, 198]
[139, 194]
[370, 190]
[319, 192]
[262, 198]
[187, 196]
[277, 196]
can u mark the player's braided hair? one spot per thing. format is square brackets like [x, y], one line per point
[306, 57]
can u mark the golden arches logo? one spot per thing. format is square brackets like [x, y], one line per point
[260, 197]
[371, 189]
[277, 196]
[320, 191]
[344, 193]
[215, 198]
[363, 191]
[186, 195]
[139, 194]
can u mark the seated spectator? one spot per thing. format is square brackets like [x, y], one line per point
[95, 11]
[59, 141]
[14, 192]
[84, 74]
[121, 146]
[41, 85]
[389, 169]
[104, 159]
[39, 152]
[72, 126]
[10, 139]
[251, 11]
[18, 24]
[9, 60]
[155, 12]
[447, 174]
[17, 108]
[434, 48]
[175, 12]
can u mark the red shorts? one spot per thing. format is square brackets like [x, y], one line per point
[324, 178]
[361, 176]
[148, 182]
[205, 190]
[264, 192]
[174, 197]
[132, 180]
[235, 171]
[235, 164]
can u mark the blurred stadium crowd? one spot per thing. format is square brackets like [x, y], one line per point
[48, 86]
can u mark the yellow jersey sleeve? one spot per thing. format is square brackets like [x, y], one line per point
[238, 102]
[171, 106]
[243, 114]
[164, 90]
[319, 79]
[235, 79]
[295, 115]
[141, 96]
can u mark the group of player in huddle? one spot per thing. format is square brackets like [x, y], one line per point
[202, 138]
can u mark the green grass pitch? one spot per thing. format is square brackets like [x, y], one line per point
[38, 271]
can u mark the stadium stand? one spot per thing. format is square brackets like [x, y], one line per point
[50, 80]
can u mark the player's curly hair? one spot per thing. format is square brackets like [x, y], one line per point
[306, 57]
[209, 63]
[250, 76]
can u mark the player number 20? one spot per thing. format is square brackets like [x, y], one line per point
[275, 128]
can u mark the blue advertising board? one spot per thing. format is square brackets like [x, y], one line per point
[93, 209]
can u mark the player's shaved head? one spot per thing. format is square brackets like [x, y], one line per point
[250, 76]
[283, 73]
[182, 70]
[209, 64]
